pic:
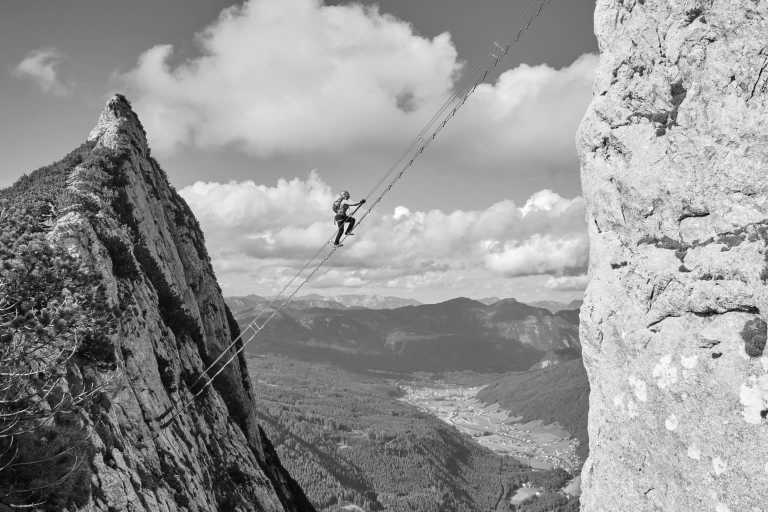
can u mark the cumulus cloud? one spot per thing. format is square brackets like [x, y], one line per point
[345, 86]
[238, 205]
[42, 67]
[288, 75]
[567, 283]
[528, 116]
[321, 78]
[265, 228]
[540, 254]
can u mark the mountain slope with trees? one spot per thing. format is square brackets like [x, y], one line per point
[110, 311]
[349, 441]
[459, 334]
[556, 394]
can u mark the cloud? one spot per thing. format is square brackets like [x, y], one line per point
[540, 254]
[350, 79]
[567, 283]
[345, 87]
[404, 237]
[308, 67]
[525, 120]
[271, 230]
[239, 204]
[42, 67]
[260, 221]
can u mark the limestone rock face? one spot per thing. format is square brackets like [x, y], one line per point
[674, 151]
[133, 227]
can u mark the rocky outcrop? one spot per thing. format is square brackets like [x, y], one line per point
[130, 225]
[674, 151]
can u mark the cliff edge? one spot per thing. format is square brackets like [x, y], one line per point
[674, 152]
[109, 208]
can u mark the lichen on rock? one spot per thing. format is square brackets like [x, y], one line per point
[674, 151]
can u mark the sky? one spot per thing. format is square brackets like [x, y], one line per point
[261, 112]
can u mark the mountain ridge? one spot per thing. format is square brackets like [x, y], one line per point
[459, 333]
[109, 207]
[343, 301]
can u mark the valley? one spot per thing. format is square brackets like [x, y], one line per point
[457, 406]
[370, 440]
[533, 443]
[344, 403]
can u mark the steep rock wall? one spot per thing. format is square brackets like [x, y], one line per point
[128, 223]
[674, 151]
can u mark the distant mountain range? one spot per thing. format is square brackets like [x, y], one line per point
[551, 305]
[258, 302]
[459, 334]
[554, 306]
[368, 301]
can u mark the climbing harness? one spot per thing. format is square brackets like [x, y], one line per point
[423, 139]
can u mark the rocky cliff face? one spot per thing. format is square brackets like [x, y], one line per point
[674, 151]
[126, 222]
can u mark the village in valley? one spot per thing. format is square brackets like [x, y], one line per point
[540, 446]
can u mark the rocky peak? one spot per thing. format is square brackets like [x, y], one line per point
[109, 206]
[673, 327]
[118, 122]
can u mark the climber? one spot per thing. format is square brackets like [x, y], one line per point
[340, 207]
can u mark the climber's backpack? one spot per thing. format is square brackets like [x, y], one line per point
[337, 205]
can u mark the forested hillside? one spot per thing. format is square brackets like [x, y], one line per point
[347, 440]
[556, 394]
[109, 309]
[460, 334]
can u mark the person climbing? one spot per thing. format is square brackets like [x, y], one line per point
[340, 207]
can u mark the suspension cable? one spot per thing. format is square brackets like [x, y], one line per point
[416, 148]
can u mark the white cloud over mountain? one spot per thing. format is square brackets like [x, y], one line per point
[297, 76]
[293, 75]
[540, 254]
[42, 67]
[347, 85]
[567, 283]
[269, 231]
